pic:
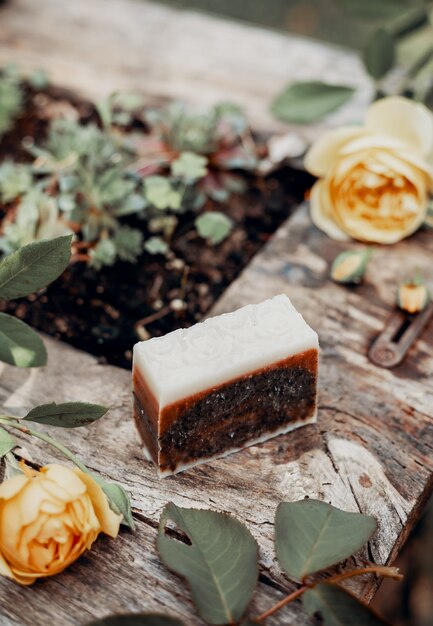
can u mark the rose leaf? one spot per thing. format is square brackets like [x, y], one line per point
[337, 606]
[7, 442]
[20, 345]
[216, 554]
[311, 535]
[305, 102]
[67, 414]
[33, 266]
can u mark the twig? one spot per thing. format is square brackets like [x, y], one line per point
[382, 570]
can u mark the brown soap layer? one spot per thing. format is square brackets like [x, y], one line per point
[230, 415]
[146, 413]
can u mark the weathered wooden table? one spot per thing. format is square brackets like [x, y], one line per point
[371, 450]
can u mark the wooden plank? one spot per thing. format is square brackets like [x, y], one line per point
[98, 46]
[369, 452]
[371, 449]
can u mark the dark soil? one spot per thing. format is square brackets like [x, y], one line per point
[105, 312]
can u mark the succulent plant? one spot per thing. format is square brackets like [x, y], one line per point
[11, 98]
[81, 174]
[178, 139]
[37, 216]
[85, 179]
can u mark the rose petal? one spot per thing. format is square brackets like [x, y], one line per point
[5, 570]
[109, 520]
[63, 482]
[322, 154]
[321, 212]
[403, 119]
[11, 487]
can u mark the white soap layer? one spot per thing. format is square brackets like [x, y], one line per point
[213, 352]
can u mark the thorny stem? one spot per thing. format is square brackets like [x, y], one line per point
[15, 423]
[387, 572]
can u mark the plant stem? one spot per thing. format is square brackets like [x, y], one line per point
[420, 62]
[388, 572]
[13, 422]
[292, 596]
[382, 570]
[409, 21]
[416, 67]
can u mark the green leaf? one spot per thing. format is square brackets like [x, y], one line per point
[7, 442]
[133, 203]
[214, 226]
[305, 102]
[220, 564]
[34, 266]
[337, 607]
[374, 10]
[66, 415]
[160, 193]
[156, 245]
[118, 499]
[311, 535]
[20, 345]
[39, 79]
[104, 253]
[15, 179]
[379, 53]
[12, 467]
[189, 165]
[143, 619]
[11, 99]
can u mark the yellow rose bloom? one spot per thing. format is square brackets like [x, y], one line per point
[48, 519]
[374, 180]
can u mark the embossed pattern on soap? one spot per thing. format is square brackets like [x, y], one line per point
[237, 342]
[225, 384]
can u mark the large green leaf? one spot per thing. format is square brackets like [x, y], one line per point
[144, 619]
[379, 53]
[375, 9]
[219, 561]
[34, 266]
[20, 345]
[118, 499]
[67, 414]
[305, 102]
[7, 442]
[338, 607]
[311, 535]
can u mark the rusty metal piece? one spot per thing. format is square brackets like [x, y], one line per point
[401, 331]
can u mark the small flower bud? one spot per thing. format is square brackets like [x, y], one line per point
[413, 296]
[350, 266]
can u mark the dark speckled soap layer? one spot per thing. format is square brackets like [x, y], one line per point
[228, 416]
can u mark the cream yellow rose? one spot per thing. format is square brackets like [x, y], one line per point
[48, 519]
[374, 180]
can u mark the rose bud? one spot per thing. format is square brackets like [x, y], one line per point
[375, 179]
[413, 296]
[350, 266]
[48, 519]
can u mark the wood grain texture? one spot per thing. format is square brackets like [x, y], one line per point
[99, 46]
[371, 450]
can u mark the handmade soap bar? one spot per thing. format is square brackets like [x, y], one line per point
[226, 383]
